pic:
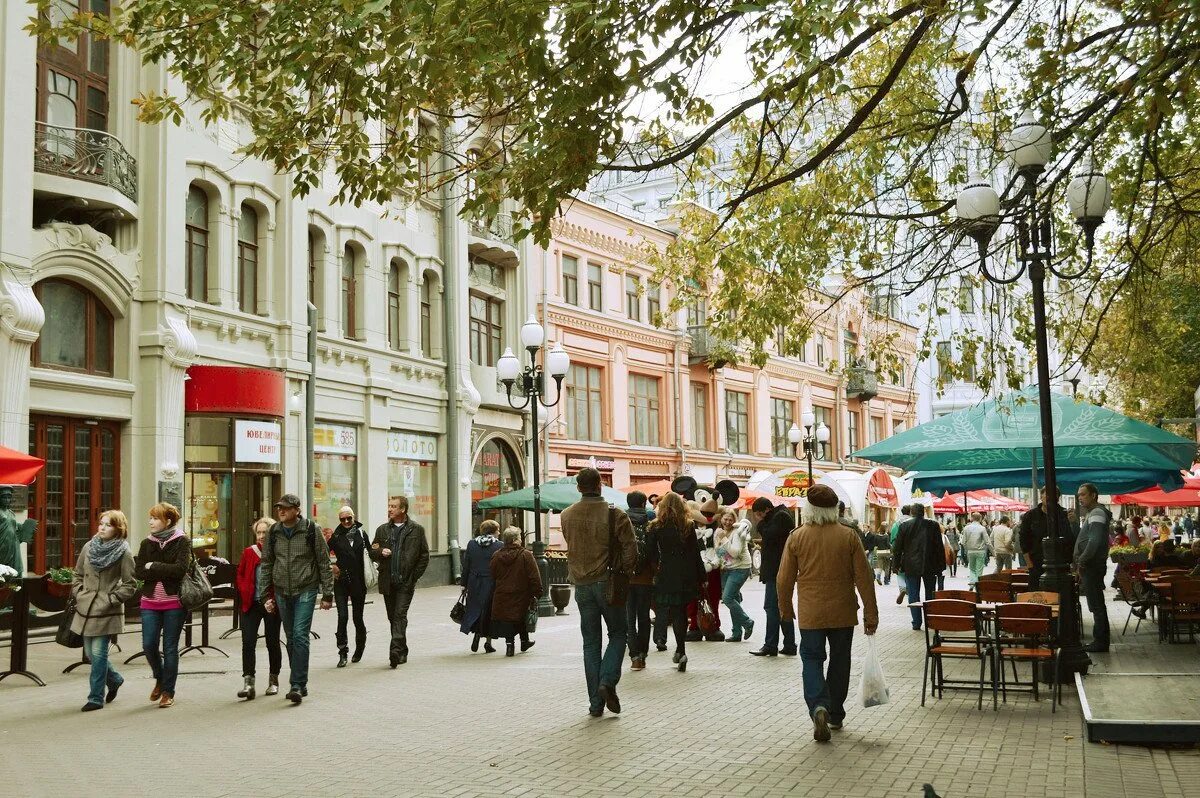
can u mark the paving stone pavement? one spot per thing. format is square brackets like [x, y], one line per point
[452, 723]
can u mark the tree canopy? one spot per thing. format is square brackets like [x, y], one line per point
[857, 125]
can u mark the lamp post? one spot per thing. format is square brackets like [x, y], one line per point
[533, 385]
[810, 438]
[1030, 147]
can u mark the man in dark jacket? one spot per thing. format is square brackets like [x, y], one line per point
[641, 584]
[1091, 558]
[346, 548]
[402, 552]
[774, 524]
[920, 556]
[295, 564]
[1035, 526]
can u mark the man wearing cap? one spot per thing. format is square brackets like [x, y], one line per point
[347, 545]
[295, 564]
[824, 562]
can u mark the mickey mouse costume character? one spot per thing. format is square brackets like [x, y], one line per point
[705, 503]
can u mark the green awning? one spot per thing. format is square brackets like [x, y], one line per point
[557, 495]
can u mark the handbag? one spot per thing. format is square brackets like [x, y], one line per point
[531, 617]
[616, 589]
[459, 610]
[65, 637]
[370, 569]
[706, 619]
[194, 589]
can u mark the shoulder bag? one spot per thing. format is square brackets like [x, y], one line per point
[194, 589]
[616, 589]
[459, 610]
[64, 636]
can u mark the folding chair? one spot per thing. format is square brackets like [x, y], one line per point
[1024, 631]
[947, 620]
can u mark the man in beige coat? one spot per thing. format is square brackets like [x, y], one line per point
[825, 563]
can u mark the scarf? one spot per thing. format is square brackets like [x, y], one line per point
[487, 541]
[104, 553]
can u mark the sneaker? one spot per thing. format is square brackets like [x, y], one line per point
[900, 596]
[821, 725]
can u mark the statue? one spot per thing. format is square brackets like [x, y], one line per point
[12, 534]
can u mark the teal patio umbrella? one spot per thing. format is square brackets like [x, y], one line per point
[1003, 436]
[1116, 480]
[557, 495]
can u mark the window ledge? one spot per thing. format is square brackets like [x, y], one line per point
[80, 382]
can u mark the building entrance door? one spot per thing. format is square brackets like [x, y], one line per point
[220, 508]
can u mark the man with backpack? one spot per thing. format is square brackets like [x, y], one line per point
[295, 564]
[641, 583]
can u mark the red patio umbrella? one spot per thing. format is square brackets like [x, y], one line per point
[1187, 496]
[17, 468]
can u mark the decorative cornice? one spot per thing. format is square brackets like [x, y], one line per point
[664, 340]
[415, 372]
[234, 331]
[630, 253]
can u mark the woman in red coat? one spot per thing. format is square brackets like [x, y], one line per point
[253, 612]
[518, 584]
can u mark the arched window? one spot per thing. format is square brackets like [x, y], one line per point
[78, 333]
[248, 260]
[394, 306]
[197, 244]
[349, 293]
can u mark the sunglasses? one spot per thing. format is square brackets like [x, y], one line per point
[346, 518]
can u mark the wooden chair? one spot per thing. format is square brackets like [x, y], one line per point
[946, 623]
[1185, 597]
[961, 595]
[1127, 591]
[1024, 631]
[994, 589]
[1038, 597]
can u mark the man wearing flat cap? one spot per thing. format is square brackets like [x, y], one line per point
[825, 563]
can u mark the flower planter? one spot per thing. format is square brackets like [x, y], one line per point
[58, 589]
[1130, 559]
[560, 596]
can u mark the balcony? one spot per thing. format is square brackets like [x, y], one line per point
[862, 383]
[494, 238]
[92, 156]
[708, 348]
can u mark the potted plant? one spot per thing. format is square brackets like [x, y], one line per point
[58, 581]
[1129, 555]
[10, 582]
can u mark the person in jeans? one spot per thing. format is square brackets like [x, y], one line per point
[254, 614]
[1091, 560]
[921, 557]
[347, 547]
[586, 526]
[103, 583]
[825, 563]
[732, 540]
[161, 562]
[402, 552]
[774, 524]
[1003, 544]
[295, 565]
[977, 543]
[641, 584]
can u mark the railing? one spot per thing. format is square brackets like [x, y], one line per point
[83, 154]
[499, 227]
[861, 383]
[708, 347]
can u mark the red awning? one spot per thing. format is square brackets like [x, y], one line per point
[17, 468]
[1187, 496]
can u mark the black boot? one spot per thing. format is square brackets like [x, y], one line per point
[359, 647]
[510, 649]
[342, 658]
[488, 648]
[475, 643]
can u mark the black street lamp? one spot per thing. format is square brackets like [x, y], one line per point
[810, 438]
[1030, 147]
[533, 386]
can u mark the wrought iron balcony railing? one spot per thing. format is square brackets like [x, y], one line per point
[83, 154]
[862, 383]
[706, 347]
[497, 228]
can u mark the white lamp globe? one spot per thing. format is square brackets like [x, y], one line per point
[794, 435]
[558, 362]
[1029, 144]
[1089, 194]
[978, 203]
[807, 419]
[822, 433]
[508, 367]
[532, 334]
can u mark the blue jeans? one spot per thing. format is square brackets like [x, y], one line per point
[820, 689]
[731, 597]
[774, 624]
[296, 614]
[599, 670]
[103, 674]
[913, 586]
[165, 665]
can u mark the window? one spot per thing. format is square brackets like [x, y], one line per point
[349, 293]
[653, 302]
[426, 319]
[196, 229]
[393, 306]
[968, 367]
[823, 415]
[427, 144]
[700, 415]
[633, 298]
[782, 418]
[780, 339]
[697, 312]
[945, 358]
[643, 410]
[312, 269]
[570, 279]
[852, 432]
[248, 260]
[582, 394]
[78, 332]
[877, 433]
[595, 290]
[820, 346]
[966, 298]
[72, 77]
[486, 329]
[737, 422]
[849, 348]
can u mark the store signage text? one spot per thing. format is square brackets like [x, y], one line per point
[335, 439]
[256, 441]
[411, 446]
[591, 462]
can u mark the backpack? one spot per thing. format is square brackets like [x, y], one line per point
[643, 549]
[311, 535]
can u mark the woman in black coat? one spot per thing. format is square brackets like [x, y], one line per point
[671, 541]
[477, 578]
[347, 545]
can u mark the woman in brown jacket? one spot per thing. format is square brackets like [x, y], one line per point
[103, 583]
[518, 584]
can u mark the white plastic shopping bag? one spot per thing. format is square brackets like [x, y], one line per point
[873, 688]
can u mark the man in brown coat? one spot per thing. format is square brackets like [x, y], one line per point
[587, 526]
[825, 563]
